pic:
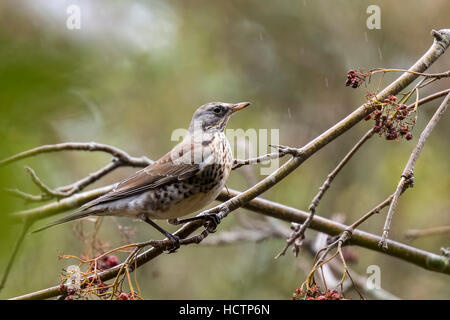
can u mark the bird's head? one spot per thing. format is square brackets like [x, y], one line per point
[214, 115]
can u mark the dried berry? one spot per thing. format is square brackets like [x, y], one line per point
[404, 130]
[354, 79]
[392, 120]
[315, 293]
[123, 296]
[71, 291]
[111, 261]
[377, 115]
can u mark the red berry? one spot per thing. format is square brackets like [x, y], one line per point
[336, 296]
[111, 261]
[123, 296]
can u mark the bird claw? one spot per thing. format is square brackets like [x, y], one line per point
[212, 220]
[175, 245]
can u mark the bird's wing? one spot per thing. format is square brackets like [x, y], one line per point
[177, 165]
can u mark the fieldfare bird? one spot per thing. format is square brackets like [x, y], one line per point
[184, 180]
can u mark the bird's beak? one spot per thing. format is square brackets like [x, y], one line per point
[239, 106]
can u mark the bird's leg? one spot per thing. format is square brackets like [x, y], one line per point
[175, 239]
[211, 221]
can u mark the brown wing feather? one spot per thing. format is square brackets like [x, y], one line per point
[161, 172]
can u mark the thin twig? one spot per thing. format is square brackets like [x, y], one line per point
[13, 256]
[418, 233]
[407, 177]
[299, 231]
[27, 196]
[65, 191]
[341, 239]
[375, 210]
[270, 156]
[431, 97]
[440, 75]
[80, 146]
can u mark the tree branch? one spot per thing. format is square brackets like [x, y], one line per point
[80, 146]
[121, 158]
[426, 260]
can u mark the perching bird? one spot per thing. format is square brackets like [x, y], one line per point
[184, 180]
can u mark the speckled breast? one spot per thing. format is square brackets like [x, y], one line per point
[184, 197]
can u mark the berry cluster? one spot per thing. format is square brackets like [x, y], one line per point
[354, 79]
[393, 120]
[314, 293]
[92, 285]
[94, 282]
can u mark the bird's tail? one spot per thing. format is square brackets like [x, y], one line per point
[74, 216]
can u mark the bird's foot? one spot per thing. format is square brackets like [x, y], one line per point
[212, 220]
[174, 245]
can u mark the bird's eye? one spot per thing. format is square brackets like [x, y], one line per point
[217, 110]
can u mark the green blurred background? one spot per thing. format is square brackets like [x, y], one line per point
[136, 70]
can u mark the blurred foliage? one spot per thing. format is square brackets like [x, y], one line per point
[136, 70]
